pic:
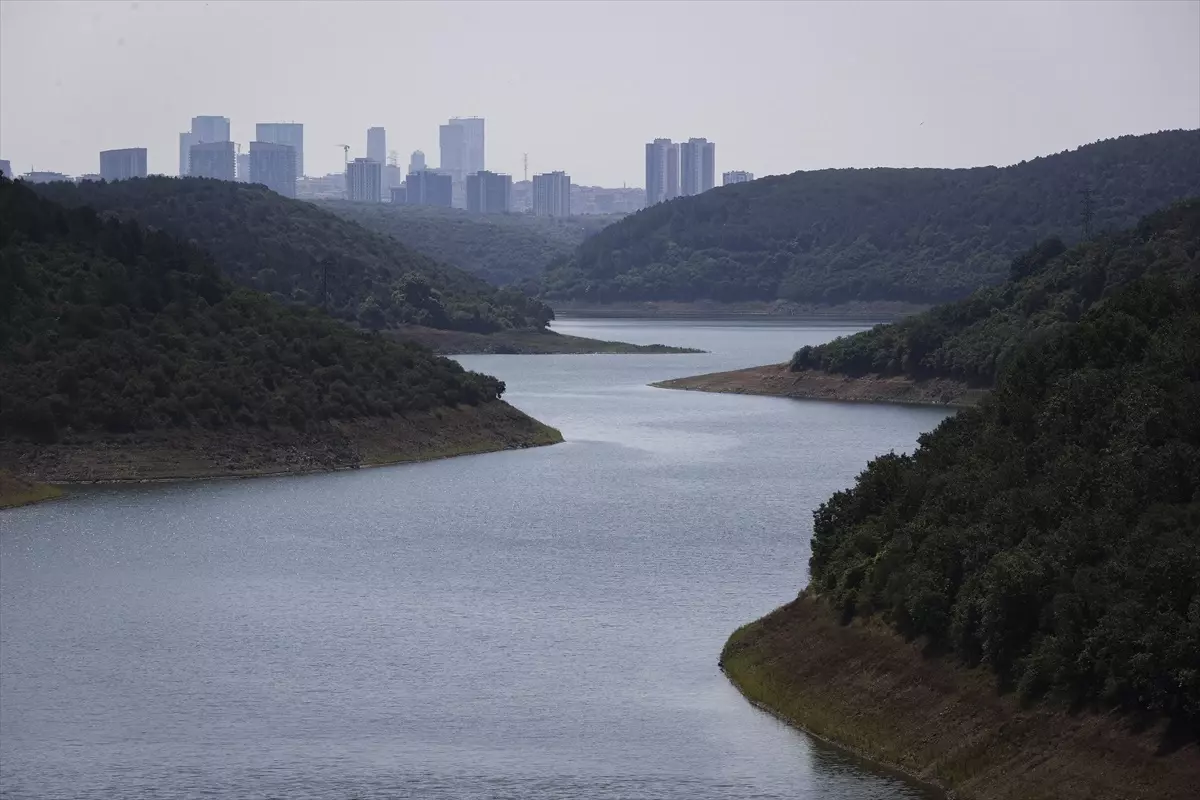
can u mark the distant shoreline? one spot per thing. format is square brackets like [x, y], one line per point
[875, 312]
[777, 380]
[183, 455]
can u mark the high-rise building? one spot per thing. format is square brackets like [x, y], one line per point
[243, 167]
[697, 166]
[211, 129]
[118, 165]
[204, 130]
[737, 176]
[364, 181]
[662, 171]
[399, 195]
[488, 192]
[416, 161]
[377, 145]
[552, 194]
[462, 145]
[6, 168]
[289, 133]
[274, 166]
[42, 176]
[213, 160]
[429, 187]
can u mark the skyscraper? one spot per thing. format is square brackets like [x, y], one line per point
[274, 166]
[377, 145]
[662, 171]
[737, 176]
[211, 129]
[488, 192]
[416, 161]
[289, 133]
[213, 160]
[118, 165]
[364, 181]
[552, 194]
[697, 166]
[204, 130]
[462, 146]
[243, 167]
[429, 187]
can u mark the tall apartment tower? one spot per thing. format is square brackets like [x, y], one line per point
[274, 166]
[429, 187]
[737, 176]
[662, 171]
[552, 194]
[364, 181]
[377, 145]
[489, 192]
[119, 165]
[462, 145]
[213, 160]
[697, 166]
[416, 162]
[205, 130]
[289, 133]
[243, 167]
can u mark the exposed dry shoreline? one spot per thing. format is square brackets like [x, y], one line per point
[16, 491]
[863, 687]
[191, 454]
[778, 381]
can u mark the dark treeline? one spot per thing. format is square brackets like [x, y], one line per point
[1053, 533]
[108, 326]
[503, 249]
[298, 253]
[833, 236]
[1048, 287]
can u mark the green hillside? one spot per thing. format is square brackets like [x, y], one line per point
[294, 250]
[835, 236]
[107, 326]
[1048, 287]
[503, 249]
[1052, 534]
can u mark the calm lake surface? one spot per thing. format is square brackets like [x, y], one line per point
[533, 624]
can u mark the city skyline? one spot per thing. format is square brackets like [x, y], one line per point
[864, 85]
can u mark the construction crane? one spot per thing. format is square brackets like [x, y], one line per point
[345, 154]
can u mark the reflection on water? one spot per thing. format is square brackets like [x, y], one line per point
[541, 623]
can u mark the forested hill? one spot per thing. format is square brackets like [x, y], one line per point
[107, 326]
[833, 236]
[503, 249]
[290, 249]
[1053, 533]
[1048, 287]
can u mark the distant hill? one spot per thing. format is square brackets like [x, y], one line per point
[1049, 287]
[108, 328]
[291, 249]
[503, 249]
[835, 236]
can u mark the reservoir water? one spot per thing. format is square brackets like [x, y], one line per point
[531, 624]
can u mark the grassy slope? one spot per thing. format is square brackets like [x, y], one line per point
[16, 491]
[863, 687]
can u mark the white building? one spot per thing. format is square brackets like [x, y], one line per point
[364, 181]
[552, 194]
[737, 176]
[289, 133]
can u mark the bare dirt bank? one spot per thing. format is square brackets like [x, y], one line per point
[778, 381]
[16, 491]
[863, 687]
[176, 455]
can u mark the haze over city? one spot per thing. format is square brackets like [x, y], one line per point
[582, 87]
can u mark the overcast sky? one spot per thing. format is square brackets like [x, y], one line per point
[582, 86]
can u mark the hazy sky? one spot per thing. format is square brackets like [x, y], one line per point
[582, 86]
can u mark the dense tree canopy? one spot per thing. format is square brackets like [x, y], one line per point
[1053, 533]
[832, 236]
[106, 325]
[296, 252]
[503, 249]
[1048, 287]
